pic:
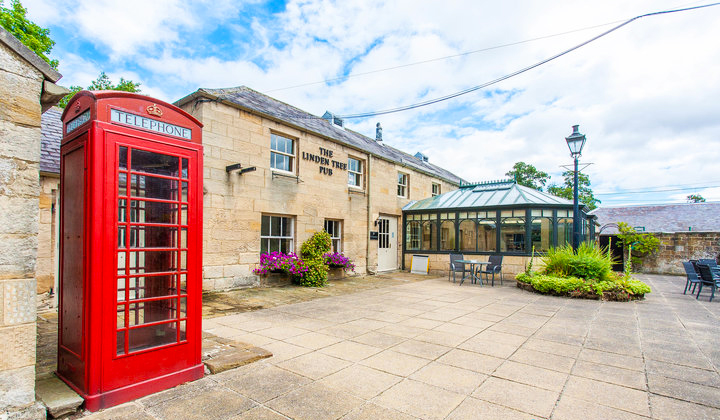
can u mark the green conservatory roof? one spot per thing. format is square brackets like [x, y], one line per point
[489, 194]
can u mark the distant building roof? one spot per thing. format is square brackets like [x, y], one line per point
[256, 102]
[489, 194]
[52, 132]
[700, 217]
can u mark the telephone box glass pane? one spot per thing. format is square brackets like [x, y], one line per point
[152, 336]
[122, 184]
[153, 187]
[121, 316]
[184, 215]
[184, 168]
[154, 163]
[122, 210]
[183, 329]
[183, 308]
[183, 284]
[120, 342]
[152, 261]
[184, 196]
[153, 237]
[121, 289]
[122, 158]
[151, 311]
[152, 286]
[153, 212]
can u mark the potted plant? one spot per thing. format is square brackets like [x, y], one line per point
[339, 264]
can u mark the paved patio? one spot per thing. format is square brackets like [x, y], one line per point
[434, 350]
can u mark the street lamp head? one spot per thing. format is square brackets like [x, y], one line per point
[575, 142]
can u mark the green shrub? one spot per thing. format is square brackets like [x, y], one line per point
[589, 262]
[615, 288]
[312, 252]
[316, 246]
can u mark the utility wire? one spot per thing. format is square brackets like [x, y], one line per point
[657, 191]
[431, 60]
[666, 186]
[523, 70]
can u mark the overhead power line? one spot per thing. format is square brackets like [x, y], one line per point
[523, 70]
[447, 57]
[658, 191]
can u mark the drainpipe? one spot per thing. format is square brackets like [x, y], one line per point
[369, 217]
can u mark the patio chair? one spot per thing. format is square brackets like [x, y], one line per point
[456, 267]
[708, 278]
[710, 263]
[692, 277]
[495, 266]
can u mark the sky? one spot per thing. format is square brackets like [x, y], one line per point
[647, 95]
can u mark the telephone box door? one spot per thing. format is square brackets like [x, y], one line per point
[155, 250]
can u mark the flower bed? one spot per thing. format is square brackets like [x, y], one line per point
[583, 274]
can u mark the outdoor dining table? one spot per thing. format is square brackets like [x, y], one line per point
[472, 264]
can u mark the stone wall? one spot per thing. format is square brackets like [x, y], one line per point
[20, 109]
[234, 204]
[678, 247]
[46, 263]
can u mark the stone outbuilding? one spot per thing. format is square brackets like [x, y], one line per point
[686, 231]
[27, 88]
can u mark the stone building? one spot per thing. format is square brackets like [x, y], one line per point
[47, 263]
[274, 174]
[686, 231]
[26, 90]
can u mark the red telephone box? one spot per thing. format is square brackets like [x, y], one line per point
[130, 247]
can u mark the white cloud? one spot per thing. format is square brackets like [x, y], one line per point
[645, 95]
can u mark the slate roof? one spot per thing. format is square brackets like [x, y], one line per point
[256, 102]
[700, 217]
[490, 194]
[51, 134]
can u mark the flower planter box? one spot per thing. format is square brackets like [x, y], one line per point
[336, 273]
[275, 279]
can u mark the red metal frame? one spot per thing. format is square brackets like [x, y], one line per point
[129, 328]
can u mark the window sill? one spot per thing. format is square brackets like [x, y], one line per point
[355, 190]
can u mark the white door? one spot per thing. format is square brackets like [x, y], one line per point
[387, 243]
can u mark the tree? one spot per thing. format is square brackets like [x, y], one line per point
[637, 245]
[103, 82]
[695, 198]
[14, 20]
[585, 194]
[529, 176]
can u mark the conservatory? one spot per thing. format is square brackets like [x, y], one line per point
[497, 217]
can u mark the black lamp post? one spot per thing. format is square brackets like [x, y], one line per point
[575, 143]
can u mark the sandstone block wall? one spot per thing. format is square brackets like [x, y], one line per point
[678, 247]
[234, 204]
[20, 109]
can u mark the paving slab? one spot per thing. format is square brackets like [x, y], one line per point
[428, 348]
[57, 396]
[420, 400]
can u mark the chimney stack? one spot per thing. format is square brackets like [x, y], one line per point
[378, 132]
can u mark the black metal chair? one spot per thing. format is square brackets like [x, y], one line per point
[457, 267]
[708, 278]
[710, 263]
[495, 266]
[692, 277]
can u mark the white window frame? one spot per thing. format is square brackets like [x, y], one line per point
[359, 174]
[403, 188]
[270, 237]
[335, 235]
[292, 156]
[433, 191]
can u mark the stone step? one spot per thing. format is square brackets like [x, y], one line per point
[57, 396]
